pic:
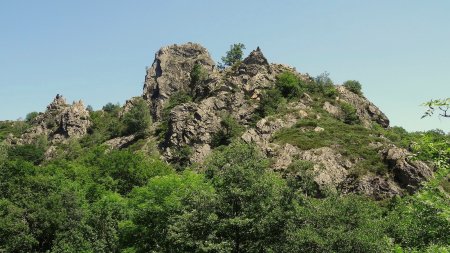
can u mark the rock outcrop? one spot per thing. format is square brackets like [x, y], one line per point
[58, 123]
[408, 173]
[236, 92]
[170, 73]
[366, 110]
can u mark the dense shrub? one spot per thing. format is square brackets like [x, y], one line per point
[289, 85]
[353, 86]
[349, 115]
[137, 120]
[31, 116]
[269, 103]
[33, 153]
[110, 107]
[323, 84]
[336, 224]
[229, 130]
[197, 75]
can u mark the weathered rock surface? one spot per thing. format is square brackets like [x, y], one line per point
[236, 91]
[409, 174]
[366, 110]
[120, 142]
[170, 73]
[60, 122]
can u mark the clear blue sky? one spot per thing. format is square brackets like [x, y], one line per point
[97, 51]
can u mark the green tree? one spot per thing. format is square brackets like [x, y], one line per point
[122, 170]
[249, 199]
[110, 107]
[353, 86]
[15, 233]
[234, 55]
[155, 206]
[30, 116]
[324, 85]
[137, 120]
[336, 224]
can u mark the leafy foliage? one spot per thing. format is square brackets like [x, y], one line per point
[349, 114]
[234, 55]
[289, 85]
[336, 224]
[30, 116]
[137, 120]
[197, 75]
[442, 104]
[230, 129]
[353, 86]
[270, 101]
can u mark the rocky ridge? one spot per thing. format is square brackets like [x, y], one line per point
[236, 91]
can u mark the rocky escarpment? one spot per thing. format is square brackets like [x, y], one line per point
[58, 123]
[236, 91]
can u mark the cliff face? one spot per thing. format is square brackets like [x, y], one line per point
[236, 91]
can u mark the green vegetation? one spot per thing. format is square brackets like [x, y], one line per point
[233, 56]
[324, 85]
[350, 140]
[443, 106]
[137, 120]
[197, 75]
[353, 86]
[270, 101]
[176, 99]
[16, 128]
[89, 198]
[349, 114]
[289, 85]
[31, 116]
[125, 201]
[230, 130]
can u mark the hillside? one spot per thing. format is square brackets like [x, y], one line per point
[252, 157]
